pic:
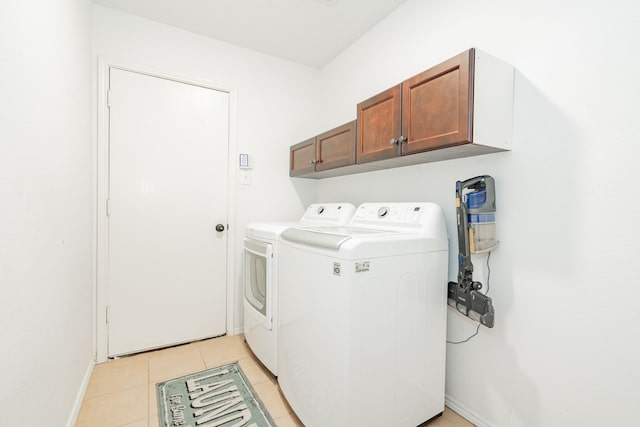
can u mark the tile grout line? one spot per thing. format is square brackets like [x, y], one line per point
[204, 362]
[148, 399]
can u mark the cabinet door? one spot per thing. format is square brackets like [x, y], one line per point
[336, 147]
[437, 105]
[302, 157]
[378, 125]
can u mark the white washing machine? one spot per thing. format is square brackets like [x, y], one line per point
[260, 276]
[362, 310]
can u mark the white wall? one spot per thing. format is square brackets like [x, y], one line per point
[45, 210]
[564, 350]
[273, 109]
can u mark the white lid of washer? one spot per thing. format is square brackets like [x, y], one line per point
[331, 237]
[267, 230]
[315, 214]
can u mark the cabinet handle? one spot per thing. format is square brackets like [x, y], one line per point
[402, 139]
[393, 141]
[314, 162]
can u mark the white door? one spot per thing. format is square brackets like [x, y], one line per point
[168, 144]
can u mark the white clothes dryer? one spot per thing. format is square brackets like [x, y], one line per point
[362, 328]
[260, 275]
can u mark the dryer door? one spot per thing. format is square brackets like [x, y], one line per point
[258, 267]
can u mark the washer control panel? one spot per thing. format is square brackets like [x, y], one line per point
[396, 216]
[331, 213]
[410, 213]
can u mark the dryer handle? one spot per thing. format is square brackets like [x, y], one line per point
[258, 248]
[262, 254]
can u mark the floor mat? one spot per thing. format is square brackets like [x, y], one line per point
[220, 397]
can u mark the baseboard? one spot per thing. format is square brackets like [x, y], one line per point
[237, 331]
[465, 413]
[73, 417]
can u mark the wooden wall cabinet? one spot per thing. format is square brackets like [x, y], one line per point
[461, 107]
[458, 108]
[325, 152]
[302, 158]
[379, 126]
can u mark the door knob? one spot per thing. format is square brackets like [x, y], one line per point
[219, 228]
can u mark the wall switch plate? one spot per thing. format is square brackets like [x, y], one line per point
[245, 177]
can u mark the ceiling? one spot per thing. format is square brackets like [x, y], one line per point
[309, 32]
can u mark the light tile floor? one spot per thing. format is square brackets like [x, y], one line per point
[121, 393]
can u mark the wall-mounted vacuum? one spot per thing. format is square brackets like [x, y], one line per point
[476, 210]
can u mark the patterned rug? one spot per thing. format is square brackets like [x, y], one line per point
[220, 397]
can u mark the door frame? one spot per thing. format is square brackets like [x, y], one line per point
[101, 186]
